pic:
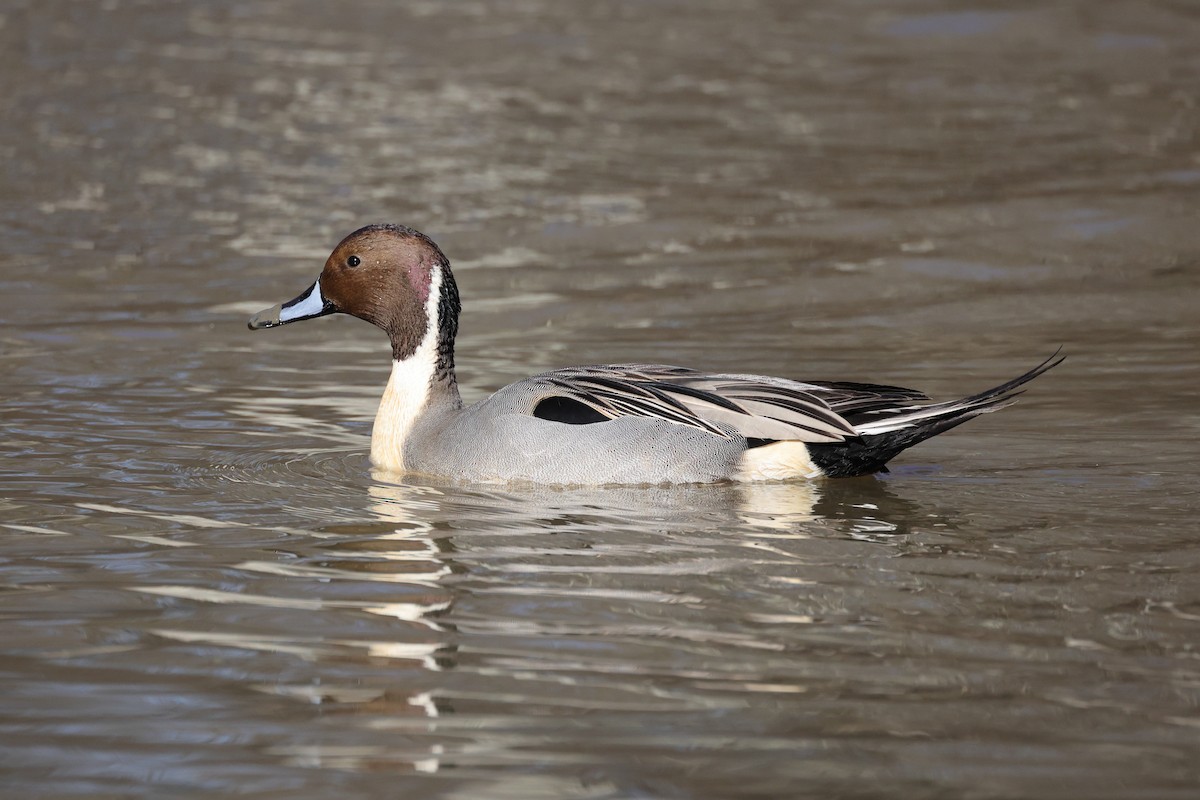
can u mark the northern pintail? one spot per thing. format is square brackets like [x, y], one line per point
[622, 423]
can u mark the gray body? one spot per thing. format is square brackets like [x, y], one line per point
[499, 439]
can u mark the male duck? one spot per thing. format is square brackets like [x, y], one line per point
[624, 423]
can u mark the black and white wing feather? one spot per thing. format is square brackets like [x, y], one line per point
[725, 405]
[761, 409]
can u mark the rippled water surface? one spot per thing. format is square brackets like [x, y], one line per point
[204, 591]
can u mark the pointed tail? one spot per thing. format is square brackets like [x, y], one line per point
[879, 441]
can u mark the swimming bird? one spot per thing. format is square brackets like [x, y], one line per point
[600, 424]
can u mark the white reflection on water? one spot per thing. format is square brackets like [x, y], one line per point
[411, 562]
[190, 520]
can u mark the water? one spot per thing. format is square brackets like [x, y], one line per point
[206, 592]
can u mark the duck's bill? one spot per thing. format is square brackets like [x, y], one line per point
[308, 305]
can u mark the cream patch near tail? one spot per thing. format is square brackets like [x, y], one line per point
[776, 462]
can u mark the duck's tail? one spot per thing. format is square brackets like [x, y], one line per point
[880, 440]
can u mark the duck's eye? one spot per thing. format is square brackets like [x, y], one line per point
[353, 261]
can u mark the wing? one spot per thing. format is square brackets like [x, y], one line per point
[755, 407]
[760, 408]
[862, 402]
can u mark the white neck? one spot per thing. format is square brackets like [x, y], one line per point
[408, 391]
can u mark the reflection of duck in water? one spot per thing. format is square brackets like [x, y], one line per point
[542, 562]
[632, 423]
[868, 508]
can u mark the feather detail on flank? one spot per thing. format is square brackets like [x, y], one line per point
[408, 389]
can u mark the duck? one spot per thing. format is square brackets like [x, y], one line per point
[601, 424]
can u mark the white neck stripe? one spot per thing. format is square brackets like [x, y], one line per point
[407, 394]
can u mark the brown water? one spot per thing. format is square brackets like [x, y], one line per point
[205, 591]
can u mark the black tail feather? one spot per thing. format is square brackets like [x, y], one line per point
[1008, 389]
[870, 453]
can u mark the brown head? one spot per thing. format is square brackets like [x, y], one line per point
[391, 276]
